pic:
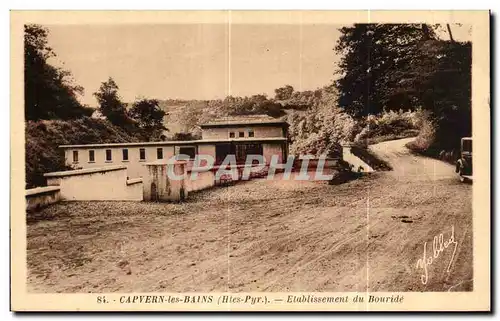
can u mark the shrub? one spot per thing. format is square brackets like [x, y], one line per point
[388, 125]
[185, 136]
[427, 135]
[321, 129]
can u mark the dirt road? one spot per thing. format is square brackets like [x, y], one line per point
[409, 166]
[365, 235]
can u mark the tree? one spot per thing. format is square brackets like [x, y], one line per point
[442, 81]
[283, 93]
[266, 106]
[193, 114]
[255, 104]
[321, 129]
[110, 105]
[406, 66]
[49, 92]
[449, 32]
[185, 136]
[148, 117]
[372, 54]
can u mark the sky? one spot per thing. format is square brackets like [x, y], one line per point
[200, 61]
[196, 61]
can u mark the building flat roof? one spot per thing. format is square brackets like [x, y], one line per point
[250, 120]
[180, 142]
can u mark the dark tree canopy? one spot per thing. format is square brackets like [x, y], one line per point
[283, 93]
[185, 136]
[49, 92]
[443, 86]
[148, 117]
[406, 66]
[255, 104]
[111, 106]
[372, 54]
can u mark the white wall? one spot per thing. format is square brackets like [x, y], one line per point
[100, 185]
[37, 198]
[134, 190]
[166, 189]
[273, 149]
[203, 180]
[206, 149]
[357, 163]
[259, 132]
[135, 166]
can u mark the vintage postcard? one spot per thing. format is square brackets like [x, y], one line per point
[250, 161]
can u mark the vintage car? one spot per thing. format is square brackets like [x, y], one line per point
[464, 163]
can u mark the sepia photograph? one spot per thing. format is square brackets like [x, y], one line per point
[308, 160]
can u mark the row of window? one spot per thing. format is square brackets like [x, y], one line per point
[109, 155]
[240, 134]
[184, 150]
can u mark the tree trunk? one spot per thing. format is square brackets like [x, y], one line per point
[449, 32]
[426, 33]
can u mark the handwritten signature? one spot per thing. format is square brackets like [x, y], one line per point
[439, 244]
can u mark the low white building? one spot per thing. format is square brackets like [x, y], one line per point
[239, 136]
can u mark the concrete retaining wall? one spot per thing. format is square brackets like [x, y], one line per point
[203, 179]
[96, 184]
[358, 165]
[158, 186]
[312, 163]
[37, 198]
[134, 189]
[270, 149]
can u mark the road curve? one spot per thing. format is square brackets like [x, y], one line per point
[409, 166]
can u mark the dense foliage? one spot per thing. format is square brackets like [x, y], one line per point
[324, 127]
[406, 66]
[148, 117]
[49, 92]
[111, 106]
[283, 93]
[444, 86]
[373, 56]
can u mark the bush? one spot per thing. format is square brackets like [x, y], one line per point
[388, 125]
[185, 136]
[438, 139]
[321, 129]
[427, 135]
